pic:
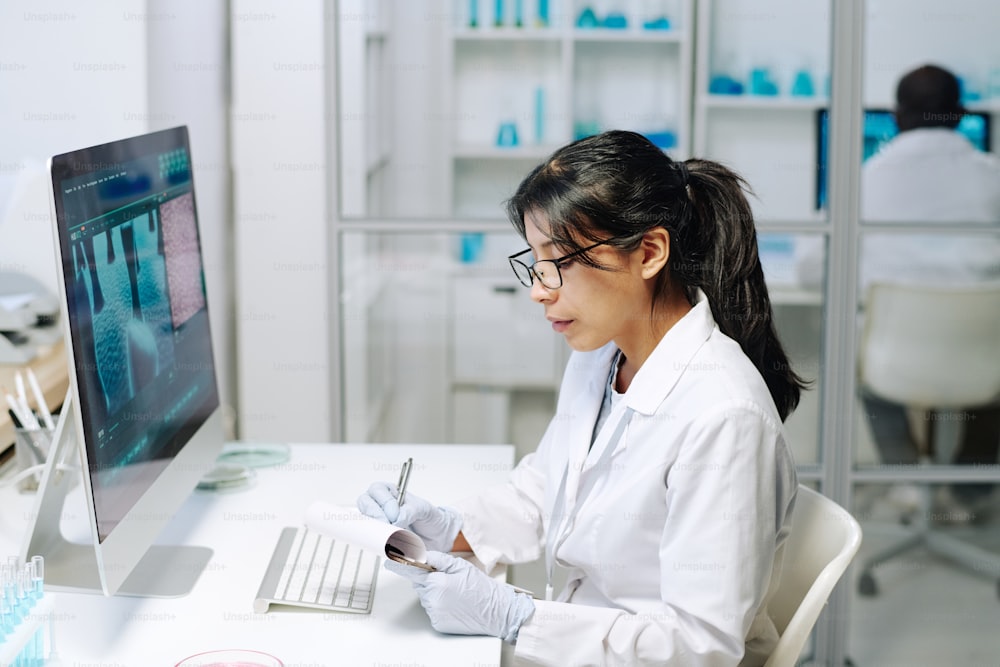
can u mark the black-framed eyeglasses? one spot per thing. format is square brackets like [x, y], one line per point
[546, 270]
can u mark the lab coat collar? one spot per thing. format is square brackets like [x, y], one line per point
[670, 358]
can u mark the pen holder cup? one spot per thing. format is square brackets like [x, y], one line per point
[31, 446]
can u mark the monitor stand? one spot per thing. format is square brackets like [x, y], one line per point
[165, 571]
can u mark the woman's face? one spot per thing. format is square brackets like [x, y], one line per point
[593, 306]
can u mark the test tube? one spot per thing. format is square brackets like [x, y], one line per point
[9, 592]
[35, 573]
[38, 576]
[6, 618]
[24, 601]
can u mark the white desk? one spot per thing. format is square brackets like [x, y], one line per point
[242, 528]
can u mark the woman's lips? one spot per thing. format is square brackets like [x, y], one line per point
[560, 326]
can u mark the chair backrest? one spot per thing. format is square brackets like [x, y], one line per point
[822, 543]
[932, 347]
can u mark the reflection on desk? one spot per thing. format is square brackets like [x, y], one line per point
[242, 528]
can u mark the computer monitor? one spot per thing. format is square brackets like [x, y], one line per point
[142, 412]
[878, 127]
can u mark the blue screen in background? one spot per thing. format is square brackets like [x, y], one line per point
[878, 128]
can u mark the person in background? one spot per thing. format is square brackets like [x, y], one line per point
[930, 173]
[663, 487]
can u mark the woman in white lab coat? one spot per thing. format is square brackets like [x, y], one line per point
[663, 486]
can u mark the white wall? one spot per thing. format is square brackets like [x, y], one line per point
[74, 75]
[420, 169]
[71, 75]
[188, 84]
[280, 186]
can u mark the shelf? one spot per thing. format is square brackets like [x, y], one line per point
[491, 382]
[507, 35]
[631, 78]
[487, 152]
[991, 105]
[788, 295]
[629, 36]
[751, 102]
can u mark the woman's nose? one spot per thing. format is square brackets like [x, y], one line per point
[539, 292]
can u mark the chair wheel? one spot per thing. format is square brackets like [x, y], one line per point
[868, 588]
[998, 588]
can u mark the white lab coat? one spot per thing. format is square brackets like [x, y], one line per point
[931, 175]
[671, 533]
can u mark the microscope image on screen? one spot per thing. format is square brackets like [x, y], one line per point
[180, 239]
[121, 267]
[136, 283]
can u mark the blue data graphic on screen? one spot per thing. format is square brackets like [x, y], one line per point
[137, 308]
[879, 126]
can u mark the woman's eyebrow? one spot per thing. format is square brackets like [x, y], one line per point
[548, 243]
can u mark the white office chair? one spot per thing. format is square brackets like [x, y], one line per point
[823, 541]
[931, 348]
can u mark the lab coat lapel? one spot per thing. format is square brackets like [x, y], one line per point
[612, 435]
[580, 426]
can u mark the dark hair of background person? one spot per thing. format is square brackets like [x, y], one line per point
[619, 185]
[929, 96]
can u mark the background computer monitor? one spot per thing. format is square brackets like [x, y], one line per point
[878, 127]
[143, 407]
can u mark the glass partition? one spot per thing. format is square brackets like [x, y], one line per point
[795, 271]
[442, 343]
[927, 417]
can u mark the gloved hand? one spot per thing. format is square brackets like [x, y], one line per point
[436, 526]
[462, 600]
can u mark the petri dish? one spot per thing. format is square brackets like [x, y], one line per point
[227, 477]
[254, 455]
[231, 658]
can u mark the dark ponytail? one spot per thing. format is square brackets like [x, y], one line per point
[619, 185]
[720, 244]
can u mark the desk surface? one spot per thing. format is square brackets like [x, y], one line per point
[242, 528]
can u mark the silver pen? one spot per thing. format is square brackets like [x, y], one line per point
[404, 478]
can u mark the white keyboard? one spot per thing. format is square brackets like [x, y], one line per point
[308, 569]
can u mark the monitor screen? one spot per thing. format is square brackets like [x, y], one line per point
[142, 373]
[878, 127]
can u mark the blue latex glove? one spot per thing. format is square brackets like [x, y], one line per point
[436, 526]
[462, 600]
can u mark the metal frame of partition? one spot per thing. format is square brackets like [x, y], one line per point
[841, 227]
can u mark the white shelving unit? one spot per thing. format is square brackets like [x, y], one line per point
[551, 83]
[769, 138]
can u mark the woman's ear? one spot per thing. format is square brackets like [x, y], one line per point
[655, 248]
